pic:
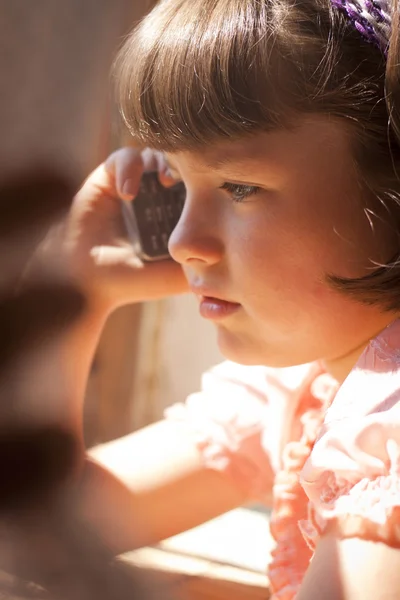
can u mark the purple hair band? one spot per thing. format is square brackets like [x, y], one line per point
[372, 18]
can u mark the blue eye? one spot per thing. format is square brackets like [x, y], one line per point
[240, 192]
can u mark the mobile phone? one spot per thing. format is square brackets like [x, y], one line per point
[152, 216]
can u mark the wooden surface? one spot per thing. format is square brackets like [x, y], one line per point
[208, 563]
[192, 578]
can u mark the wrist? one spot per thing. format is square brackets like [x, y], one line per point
[77, 348]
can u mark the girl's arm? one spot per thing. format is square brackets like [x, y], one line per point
[350, 569]
[151, 484]
[205, 459]
[156, 486]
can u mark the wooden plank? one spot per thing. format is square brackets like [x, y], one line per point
[206, 589]
[193, 578]
[225, 559]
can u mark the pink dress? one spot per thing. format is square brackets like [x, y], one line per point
[326, 453]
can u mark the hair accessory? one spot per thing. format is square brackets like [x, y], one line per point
[372, 18]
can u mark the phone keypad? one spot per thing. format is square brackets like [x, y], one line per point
[157, 210]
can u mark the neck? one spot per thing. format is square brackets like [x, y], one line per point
[340, 367]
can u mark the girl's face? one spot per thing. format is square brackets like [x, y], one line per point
[265, 221]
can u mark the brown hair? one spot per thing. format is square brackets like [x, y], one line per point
[197, 71]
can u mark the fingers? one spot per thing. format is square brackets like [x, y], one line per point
[126, 166]
[166, 179]
[150, 281]
[163, 278]
[153, 161]
[156, 161]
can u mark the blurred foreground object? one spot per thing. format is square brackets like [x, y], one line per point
[54, 60]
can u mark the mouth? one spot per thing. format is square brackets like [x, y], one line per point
[213, 307]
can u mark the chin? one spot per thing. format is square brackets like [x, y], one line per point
[241, 351]
[248, 352]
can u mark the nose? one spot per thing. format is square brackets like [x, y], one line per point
[197, 236]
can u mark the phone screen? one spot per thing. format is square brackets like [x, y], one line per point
[155, 212]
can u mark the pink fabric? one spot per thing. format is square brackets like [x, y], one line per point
[327, 454]
[229, 417]
[232, 416]
[353, 472]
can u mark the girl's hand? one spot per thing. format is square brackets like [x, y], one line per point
[99, 252]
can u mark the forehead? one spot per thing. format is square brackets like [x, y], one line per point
[310, 141]
[222, 155]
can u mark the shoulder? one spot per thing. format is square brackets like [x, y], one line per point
[352, 476]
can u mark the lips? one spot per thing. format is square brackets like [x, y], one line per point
[212, 306]
[216, 309]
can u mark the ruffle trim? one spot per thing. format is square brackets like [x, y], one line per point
[228, 447]
[370, 509]
[294, 548]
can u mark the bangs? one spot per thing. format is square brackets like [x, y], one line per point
[199, 70]
[196, 72]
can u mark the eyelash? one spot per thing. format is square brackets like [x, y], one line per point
[240, 192]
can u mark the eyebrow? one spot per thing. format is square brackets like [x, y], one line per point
[226, 161]
[240, 158]
[217, 164]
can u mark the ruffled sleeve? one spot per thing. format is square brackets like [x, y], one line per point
[353, 473]
[239, 419]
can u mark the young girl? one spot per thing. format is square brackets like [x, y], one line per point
[280, 118]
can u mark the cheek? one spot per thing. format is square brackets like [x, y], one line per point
[330, 220]
[267, 252]
[281, 271]
[287, 246]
